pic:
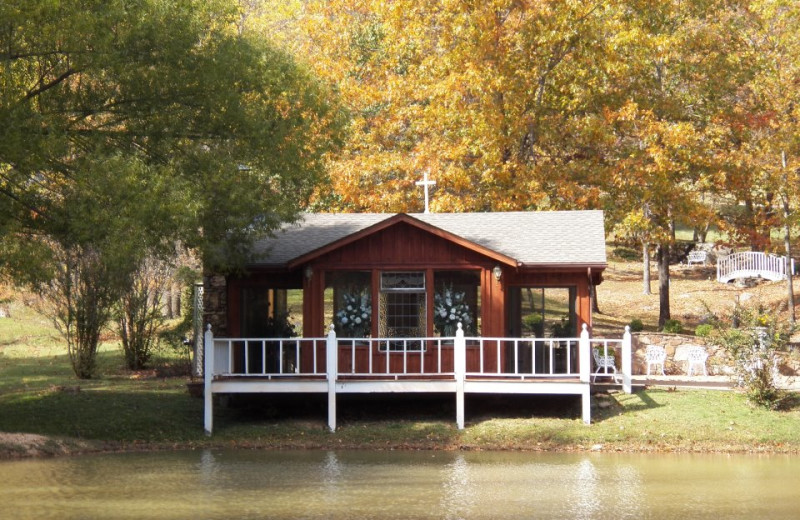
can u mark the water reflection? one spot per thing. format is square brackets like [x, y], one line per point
[256, 484]
[584, 499]
[457, 499]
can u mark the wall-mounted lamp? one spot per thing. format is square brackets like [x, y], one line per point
[497, 272]
[309, 272]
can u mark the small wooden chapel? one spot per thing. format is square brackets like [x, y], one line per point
[502, 274]
[445, 303]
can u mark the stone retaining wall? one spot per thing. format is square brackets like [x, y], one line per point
[677, 345]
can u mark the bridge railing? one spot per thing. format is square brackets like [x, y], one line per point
[752, 264]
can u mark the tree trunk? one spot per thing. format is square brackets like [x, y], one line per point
[168, 303]
[646, 268]
[749, 222]
[704, 234]
[593, 296]
[787, 240]
[663, 284]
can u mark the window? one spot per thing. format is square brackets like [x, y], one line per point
[267, 313]
[348, 303]
[402, 281]
[402, 308]
[270, 313]
[456, 300]
[547, 312]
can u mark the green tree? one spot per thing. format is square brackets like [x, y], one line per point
[129, 126]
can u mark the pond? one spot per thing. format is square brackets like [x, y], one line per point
[315, 484]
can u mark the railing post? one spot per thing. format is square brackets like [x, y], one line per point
[584, 353]
[627, 361]
[331, 367]
[460, 369]
[585, 356]
[208, 373]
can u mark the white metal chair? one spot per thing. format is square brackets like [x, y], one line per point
[603, 364]
[697, 357]
[655, 355]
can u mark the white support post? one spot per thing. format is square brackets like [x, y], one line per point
[585, 355]
[627, 361]
[460, 369]
[586, 404]
[208, 373]
[585, 361]
[331, 367]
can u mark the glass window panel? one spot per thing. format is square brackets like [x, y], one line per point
[547, 312]
[348, 303]
[457, 294]
[402, 308]
[265, 313]
[402, 281]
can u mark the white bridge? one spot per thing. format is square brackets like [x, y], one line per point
[751, 264]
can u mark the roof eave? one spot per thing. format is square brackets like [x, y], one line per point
[565, 265]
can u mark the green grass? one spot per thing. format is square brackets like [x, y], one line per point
[122, 410]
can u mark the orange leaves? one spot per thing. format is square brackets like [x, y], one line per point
[465, 89]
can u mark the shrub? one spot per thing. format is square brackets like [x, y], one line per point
[703, 330]
[533, 324]
[563, 329]
[79, 299]
[753, 350]
[636, 325]
[626, 253]
[672, 327]
[139, 312]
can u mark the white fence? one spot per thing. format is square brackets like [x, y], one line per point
[521, 358]
[752, 264]
[412, 364]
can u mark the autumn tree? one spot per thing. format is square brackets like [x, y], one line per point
[495, 99]
[675, 74]
[640, 108]
[767, 139]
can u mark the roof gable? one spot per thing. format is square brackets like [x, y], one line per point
[393, 221]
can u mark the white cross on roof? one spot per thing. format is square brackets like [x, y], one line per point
[425, 183]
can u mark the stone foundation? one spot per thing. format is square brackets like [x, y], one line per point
[215, 304]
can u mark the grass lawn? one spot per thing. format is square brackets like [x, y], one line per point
[44, 409]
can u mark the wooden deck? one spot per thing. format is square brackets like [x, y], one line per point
[458, 366]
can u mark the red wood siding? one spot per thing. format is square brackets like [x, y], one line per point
[402, 247]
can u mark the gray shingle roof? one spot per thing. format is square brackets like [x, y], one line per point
[531, 238]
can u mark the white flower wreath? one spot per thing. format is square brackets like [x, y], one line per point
[354, 320]
[450, 308]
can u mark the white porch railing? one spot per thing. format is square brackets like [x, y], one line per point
[367, 357]
[752, 264]
[457, 359]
